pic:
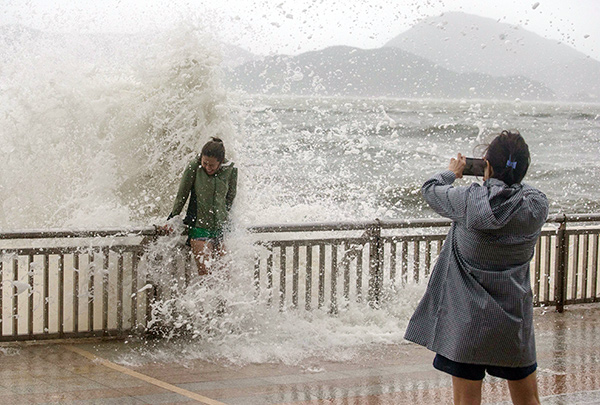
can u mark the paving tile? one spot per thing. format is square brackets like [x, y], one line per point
[119, 382]
[148, 389]
[206, 385]
[236, 383]
[14, 399]
[280, 398]
[226, 394]
[327, 376]
[99, 401]
[72, 383]
[288, 379]
[81, 395]
[37, 387]
[164, 398]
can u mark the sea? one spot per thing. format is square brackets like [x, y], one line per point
[95, 133]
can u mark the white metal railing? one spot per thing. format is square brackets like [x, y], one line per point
[361, 260]
[57, 284]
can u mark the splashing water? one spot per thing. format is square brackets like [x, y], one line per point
[220, 319]
[100, 140]
[95, 140]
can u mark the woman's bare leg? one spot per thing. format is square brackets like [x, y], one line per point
[205, 252]
[218, 249]
[525, 391]
[201, 250]
[466, 392]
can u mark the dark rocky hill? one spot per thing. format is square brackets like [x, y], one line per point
[466, 43]
[387, 71]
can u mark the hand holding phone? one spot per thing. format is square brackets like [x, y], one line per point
[457, 165]
[474, 167]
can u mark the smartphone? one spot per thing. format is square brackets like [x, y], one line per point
[474, 167]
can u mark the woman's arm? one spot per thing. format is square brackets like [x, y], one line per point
[185, 186]
[445, 199]
[232, 191]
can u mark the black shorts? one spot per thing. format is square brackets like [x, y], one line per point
[476, 372]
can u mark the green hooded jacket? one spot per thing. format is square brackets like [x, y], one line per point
[211, 195]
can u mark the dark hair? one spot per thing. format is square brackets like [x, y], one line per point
[508, 155]
[215, 149]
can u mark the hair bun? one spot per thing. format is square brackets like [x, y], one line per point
[215, 139]
[509, 156]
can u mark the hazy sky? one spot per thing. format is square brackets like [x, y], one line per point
[293, 26]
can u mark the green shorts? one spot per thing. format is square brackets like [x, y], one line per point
[205, 234]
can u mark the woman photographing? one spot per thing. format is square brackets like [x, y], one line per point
[477, 311]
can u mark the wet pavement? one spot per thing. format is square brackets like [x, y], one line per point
[78, 372]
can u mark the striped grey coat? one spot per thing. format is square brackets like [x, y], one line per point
[478, 304]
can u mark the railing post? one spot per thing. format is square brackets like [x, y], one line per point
[562, 257]
[152, 294]
[375, 264]
[256, 276]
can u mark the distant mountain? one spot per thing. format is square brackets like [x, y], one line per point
[235, 56]
[467, 43]
[386, 71]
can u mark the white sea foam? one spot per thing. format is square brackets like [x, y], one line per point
[222, 319]
[98, 139]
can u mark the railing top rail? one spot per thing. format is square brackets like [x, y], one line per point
[573, 218]
[350, 226]
[397, 223]
[276, 228]
[66, 233]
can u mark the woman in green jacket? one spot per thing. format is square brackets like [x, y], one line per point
[211, 183]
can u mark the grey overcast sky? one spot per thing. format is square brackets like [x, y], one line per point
[294, 26]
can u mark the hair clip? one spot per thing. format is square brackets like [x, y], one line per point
[511, 163]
